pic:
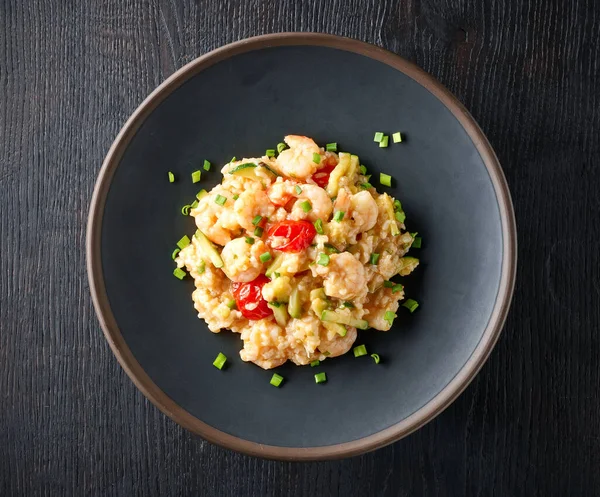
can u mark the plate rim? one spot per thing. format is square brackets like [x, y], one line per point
[346, 449]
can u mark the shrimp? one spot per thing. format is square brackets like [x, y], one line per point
[361, 210]
[251, 203]
[213, 219]
[344, 277]
[320, 203]
[298, 160]
[378, 303]
[337, 345]
[241, 261]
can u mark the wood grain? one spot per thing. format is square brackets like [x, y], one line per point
[72, 423]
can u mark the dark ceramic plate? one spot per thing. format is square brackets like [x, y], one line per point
[240, 100]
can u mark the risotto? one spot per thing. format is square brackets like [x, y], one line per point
[295, 253]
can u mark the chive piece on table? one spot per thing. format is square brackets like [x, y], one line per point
[359, 350]
[314, 364]
[179, 273]
[378, 137]
[220, 361]
[319, 226]
[338, 216]
[320, 378]
[317, 158]
[206, 165]
[385, 179]
[374, 258]
[376, 358]
[331, 147]
[323, 260]
[196, 176]
[184, 242]
[265, 257]
[171, 177]
[306, 206]
[384, 141]
[397, 137]
[411, 305]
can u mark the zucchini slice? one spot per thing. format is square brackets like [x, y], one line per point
[208, 249]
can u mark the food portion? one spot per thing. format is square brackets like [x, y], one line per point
[295, 253]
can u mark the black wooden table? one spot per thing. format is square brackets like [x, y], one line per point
[71, 421]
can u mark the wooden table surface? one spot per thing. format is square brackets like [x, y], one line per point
[71, 421]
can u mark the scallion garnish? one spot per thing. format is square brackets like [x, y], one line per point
[276, 380]
[320, 378]
[397, 137]
[384, 141]
[231, 304]
[323, 260]
[317, 158]
[270, 152]
[171, 177]
[280, 147]
[319, 226]
[411, 305]
[201, 267]
[388, 284]
[338, 216]
[378, 137]
[236, 196]
[179, 273]
[185, 210]
[397, 288]
[298, 189]
[220, 199]
[416, 242]
[314, 364]
[306, 206]
[258, 232]
[265, 257]
[376, 358]
[276, 274]
[256, 220]
[220, 361]
[175, 252]
[359, 351]
[362, 169]
[397, 205]
[366, 186]
[374, 258]
[206, 165]
[331, 147]
[201, 194]
[196, 175]
[389, 316]
[349, 305]
[232, 159]
[249, 240]
[194, 204]
[385, 179]
[184, 242]
[400, 216]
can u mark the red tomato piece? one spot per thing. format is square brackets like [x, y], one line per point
[249, 299]
[321, 177]
[291, 236]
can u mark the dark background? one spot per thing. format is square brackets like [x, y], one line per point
[71, 421]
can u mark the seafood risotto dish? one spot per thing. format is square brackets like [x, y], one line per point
[295, 251]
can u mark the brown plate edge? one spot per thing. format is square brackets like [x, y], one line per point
[416, 420]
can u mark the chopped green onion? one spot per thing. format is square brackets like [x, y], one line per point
[276, 380]
[326, 353]
[256, 220]
[376, 358]
[201, 267]
[400, 216]
[298, 189]
[184, 242]
[276, 274]
[385, 179]
[232, 159]
[175, 252]
[397, 205]
[343, 332]
[194, 204]
[359, 351]
[220, 361]
[305, 206]
[378, 137]
[416, 242]
[258, 232]
[185, 210]
[323, 259]
[249, 240]
[275, 304]
[281, 147]
[196, 175]
[231, 304]
[338, 216]
[201, 194]
[384, 141]
[320, 378]
[236, 196]
[397, 137]
[171, 177]
[331, 147]
[206, 165]
[179, 273]
[314, 364]
[411, 305]
[389, 316]
[319, 226]
[366, 186]
[362, 169]
[270, 152]
[265, 257]
[388, 284]
[220, 199]
[331, 248]
[350, 305]
[317, 158]
[397, 288]
[374, 258]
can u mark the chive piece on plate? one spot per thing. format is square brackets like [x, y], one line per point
[385, 179]
[179, 273]
[323, 260]
[231, 304]
[256, 220]
[397, 288]
[389, 316]
[236, 196]
[320, 378]
[249, 240]
[362, 169]
[196, 175]
[397, 137]
[175, 252]
[384, 141]
[374, 258]
[276, 380]
[281, 147]
[171, 177]
[376, 358]
[314, 364]
[185, 210]
[331, 147]
[270, 152]
[220, 199]
[400, 216]
[317, 158]
[298, 189]
[220, 361]
[306, 206]
[359, 351]
[411, 305]
[416, 242]
[184, 242]
[319, 226]
[258, 232]
[265, 257]
[388, 284]
[378, 137]
[206, 165]
[338, 216]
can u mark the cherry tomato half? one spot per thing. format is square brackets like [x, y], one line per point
[249, 300]
[321, 177]
[291, 236]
